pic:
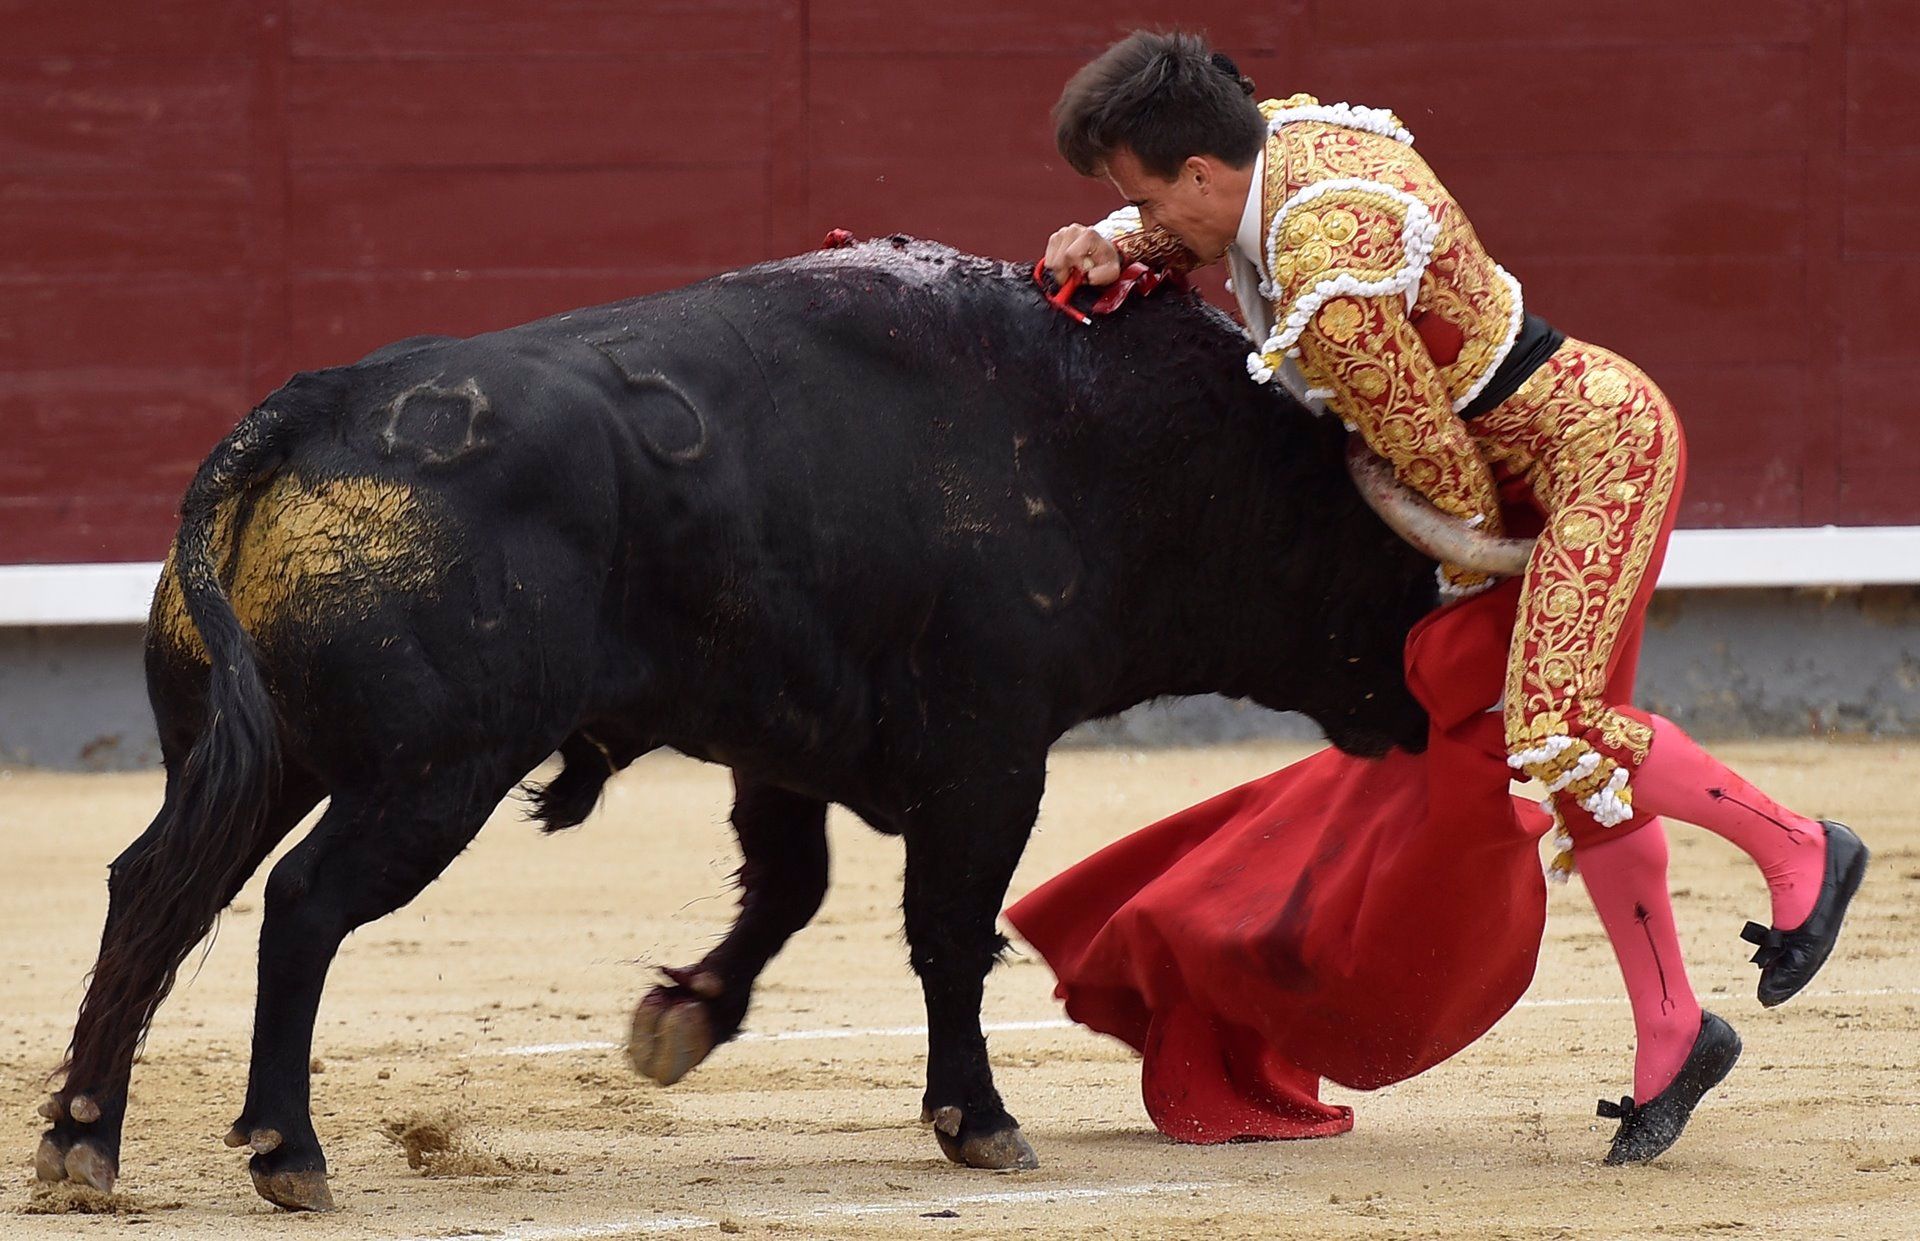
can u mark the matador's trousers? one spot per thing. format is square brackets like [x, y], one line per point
[1600, 449]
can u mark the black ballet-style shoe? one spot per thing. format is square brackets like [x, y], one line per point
[1788, 960]
[1648, 1129]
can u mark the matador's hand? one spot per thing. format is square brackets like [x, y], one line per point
[1077, 246]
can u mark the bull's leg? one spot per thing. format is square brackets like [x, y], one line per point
[134, 971]
[783, 878]
[368, 856]
[960, 858]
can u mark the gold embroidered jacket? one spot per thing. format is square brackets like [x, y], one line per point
[1378, 297]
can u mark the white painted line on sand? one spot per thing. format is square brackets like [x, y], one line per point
[1805, 996]
[991, 1027]
[546, 1049]
[784, 1036]
[571, 1232]
[832, 1210]
[1061, 1023]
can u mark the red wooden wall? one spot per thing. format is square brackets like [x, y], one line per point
[198, 197]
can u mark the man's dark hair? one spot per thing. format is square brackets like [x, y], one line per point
[1164, 97]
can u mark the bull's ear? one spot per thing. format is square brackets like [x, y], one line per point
[1431, 532]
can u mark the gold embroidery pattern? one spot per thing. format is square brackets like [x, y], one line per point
[1601, 449]
[1155, 247]
[1352, 232]
[1461, 284]
[1366, 351]
[1590, 433]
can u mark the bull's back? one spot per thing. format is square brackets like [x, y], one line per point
[828, 490]
[810, 490]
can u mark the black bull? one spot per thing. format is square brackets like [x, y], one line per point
[871, 526]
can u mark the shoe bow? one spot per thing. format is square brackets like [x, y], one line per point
[1771, 943]
[1609, 1110]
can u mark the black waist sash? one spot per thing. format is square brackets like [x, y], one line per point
[1535, 344]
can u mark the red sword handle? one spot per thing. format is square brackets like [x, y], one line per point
[1061, 301]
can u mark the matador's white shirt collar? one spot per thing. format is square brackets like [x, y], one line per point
[1249, 241]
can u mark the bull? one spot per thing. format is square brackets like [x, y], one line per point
[872, 526]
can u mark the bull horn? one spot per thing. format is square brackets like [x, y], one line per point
[1431, 532]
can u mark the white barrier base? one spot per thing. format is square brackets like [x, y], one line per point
[118, 594]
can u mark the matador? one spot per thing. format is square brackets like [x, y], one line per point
[1368, 296]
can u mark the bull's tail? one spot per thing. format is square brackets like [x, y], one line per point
[168, 888]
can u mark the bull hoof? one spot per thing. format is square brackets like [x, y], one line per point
[50, 1161]
[83, 1109]
[670, 1034]
[291, 1190]
[1002, 1150]
[87, 1164]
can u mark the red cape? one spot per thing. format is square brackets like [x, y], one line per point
[1355, 919]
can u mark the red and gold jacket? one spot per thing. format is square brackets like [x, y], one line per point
[1375, 296]
[1366, 290]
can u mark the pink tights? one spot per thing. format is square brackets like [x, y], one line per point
[1681, 781]
[1627, 878]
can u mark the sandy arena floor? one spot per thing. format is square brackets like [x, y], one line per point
[491, 1005]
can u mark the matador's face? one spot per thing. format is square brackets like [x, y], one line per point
[1198, 204]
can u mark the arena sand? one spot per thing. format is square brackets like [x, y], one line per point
[440, 1122]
